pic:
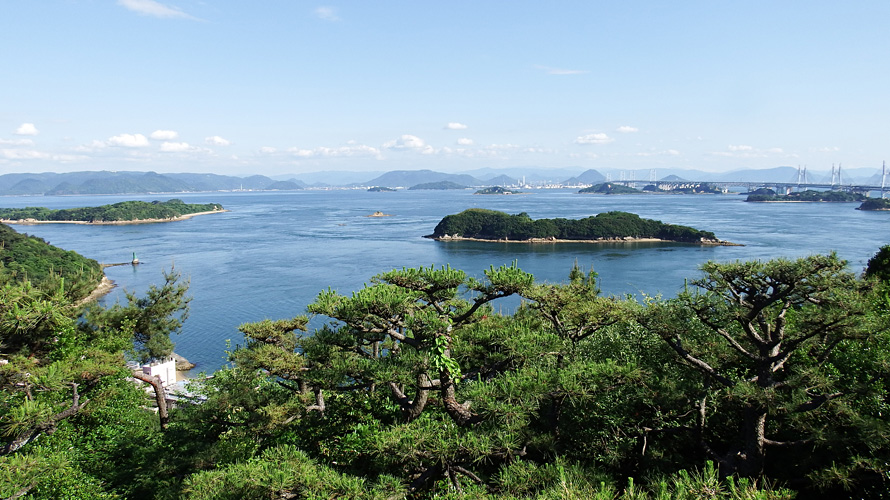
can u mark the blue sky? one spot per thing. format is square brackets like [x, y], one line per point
[286, 86]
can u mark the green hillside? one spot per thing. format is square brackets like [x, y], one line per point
[24, 257]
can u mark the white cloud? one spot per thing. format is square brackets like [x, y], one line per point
[327, 13]
[26, 129]
[23, 154]
[342, 151]
[405, 142]
[597, 138]
[92, 146]
[832, 149]
[16, 142]
[463, 141]
[558, 71]
[455, 126]
[175, 147]
[666, 152]
[267, 150]
[744, 151]
[154, 9]
[217, 141]
[626, 129]
[128, 141]
[164, 135]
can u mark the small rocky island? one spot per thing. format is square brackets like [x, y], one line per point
[768, 195]
[125, 212]
[491, 225]
[609, 188]
[497, 190]
[875, 204]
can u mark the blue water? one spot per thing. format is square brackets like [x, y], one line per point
[272, 253]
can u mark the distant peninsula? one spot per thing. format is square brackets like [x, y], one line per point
[381, 189]
[125, 212]
[440, 185]
[768, 195]
[491, 225]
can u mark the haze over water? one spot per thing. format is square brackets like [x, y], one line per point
[270, 255]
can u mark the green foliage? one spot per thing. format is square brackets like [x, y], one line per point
[497, 190]
[28, 258]
[122, 211]
[825, 196]
[493, 225]
[879, 265]
[414, 387]
[609, 188]
[875, 204]
[439, 185]
[764, 336]
[150, 319]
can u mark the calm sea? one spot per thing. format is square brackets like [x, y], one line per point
[270, 255]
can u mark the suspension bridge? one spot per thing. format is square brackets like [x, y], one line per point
[801, 183]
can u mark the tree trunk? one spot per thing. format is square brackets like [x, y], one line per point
[412, 409]
[160, 396]
[461, 414]
[751, 463]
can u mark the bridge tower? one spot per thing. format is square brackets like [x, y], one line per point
[652, 176]
[883, 177]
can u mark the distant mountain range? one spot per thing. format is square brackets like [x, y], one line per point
[408, 178]
[587, 177]
[128, 182]
[105, 182]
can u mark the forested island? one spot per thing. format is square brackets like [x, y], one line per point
[877, 204]
[492, 225]
[768, 195]
[609, 188]
[703, 188]
[497, 190]
[123, 212]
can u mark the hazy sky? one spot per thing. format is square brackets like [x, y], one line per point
[286, 86]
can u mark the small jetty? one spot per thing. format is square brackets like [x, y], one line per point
[134, 262]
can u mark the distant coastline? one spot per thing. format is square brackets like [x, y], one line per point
[33, 222]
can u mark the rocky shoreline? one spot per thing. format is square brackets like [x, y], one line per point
[625, 239]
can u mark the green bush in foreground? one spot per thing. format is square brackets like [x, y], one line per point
[764, 380]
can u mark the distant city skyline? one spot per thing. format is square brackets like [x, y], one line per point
[286, 87]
